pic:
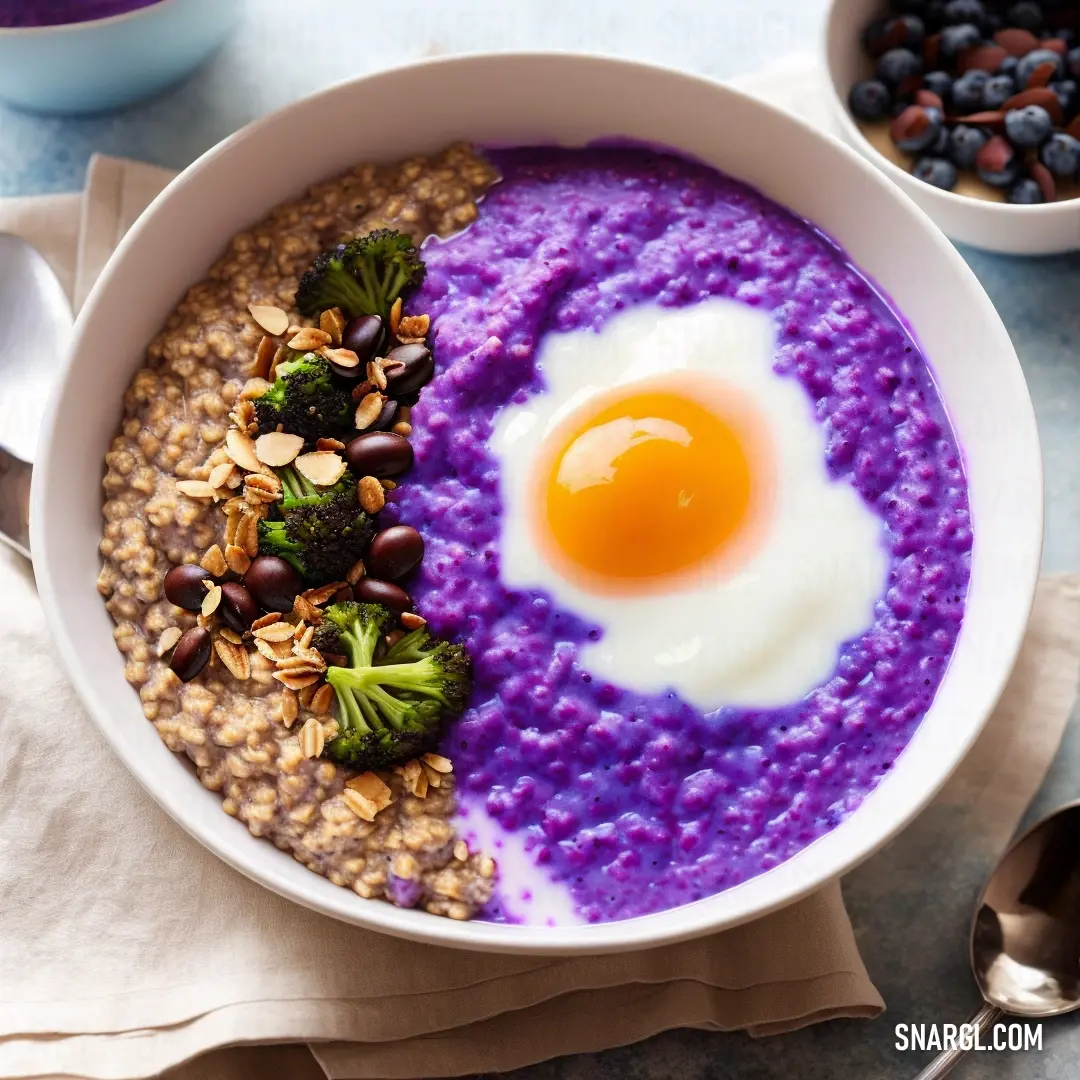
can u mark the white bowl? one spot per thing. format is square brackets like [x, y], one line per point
[530, 98]
[1047, 229]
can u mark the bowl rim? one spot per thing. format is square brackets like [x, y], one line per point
[832, 24]
[79, 24]
[672, 925]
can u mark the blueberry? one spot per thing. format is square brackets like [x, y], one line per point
[936, 171]
[1073, 62]
[917, 129]
[964, 143]
[1029, 63]
[940, 82]
[997, 91]
[1068, 93]
[1061, 155]
[870, 100]
[1008, 66]
[905, 30]
[940, 146]
[897, 66]
[954, 39]
[967, 91]
[1026, 192]
[1026, 15]
[874, 40]
[1028, 126]
[964, 11]
[1067, 35]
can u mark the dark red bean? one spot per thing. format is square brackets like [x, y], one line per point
[273, 582]
[386, 417]
[238, 607]
[191, 653]
[369, 590]
[381, 454]
[334, 659]
[364, 335]
[394, 552]
[184, 586]
[416, 368]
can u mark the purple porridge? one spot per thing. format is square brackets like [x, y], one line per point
[63, 12]
[637, 803]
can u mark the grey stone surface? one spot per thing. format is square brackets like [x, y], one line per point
[910, 910]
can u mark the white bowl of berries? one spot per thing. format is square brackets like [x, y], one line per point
[972, 107]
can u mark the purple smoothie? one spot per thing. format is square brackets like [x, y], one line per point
[63, 12]
[636, 803]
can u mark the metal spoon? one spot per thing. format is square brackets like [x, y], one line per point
[1025, 937]
[35, 326]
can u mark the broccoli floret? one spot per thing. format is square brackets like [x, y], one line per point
[304, 400]
[322, 532]
[390, 711]
[363, 277]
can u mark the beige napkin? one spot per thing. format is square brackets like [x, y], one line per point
[126, 948]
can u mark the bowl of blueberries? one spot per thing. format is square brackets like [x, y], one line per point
[972, 107]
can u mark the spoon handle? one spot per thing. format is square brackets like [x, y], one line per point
[944, 1062]
[14, 503]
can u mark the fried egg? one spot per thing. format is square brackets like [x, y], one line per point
[668, 486]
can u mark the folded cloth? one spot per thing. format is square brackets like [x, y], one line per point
[128, 949]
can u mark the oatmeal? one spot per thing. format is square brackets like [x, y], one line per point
[250, 736]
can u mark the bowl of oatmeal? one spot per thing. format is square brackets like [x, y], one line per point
[677, 555]
[968, 209]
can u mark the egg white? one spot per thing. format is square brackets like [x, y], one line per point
[766, 632]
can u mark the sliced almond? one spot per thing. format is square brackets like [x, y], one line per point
[293, 662]
[356, 572]
[247, 534]
[305, 696]
[169, 637]
[439, 763]
[219, 474]
[303, 643]
[323, 468]
[411, 621]
[370, 494]
[265, 620]
[243, 414]
[238, 559]
[231, 635]
[461, 851]
[402, 428]
[387, 485]
[241, 448]
[311, 738]
[395, 316]
[433, 777]
[319, 596]
[332, 322]
[345, 358]
[371, 787]
[290, 707]
[236, 478]
[196, 489]
[211, 601]
[368, 411]
[376, 375]
[296, 681]
[273, 651]
[264, 357]
[304, 609]
[412, 329]
[278, 448]
[213, 562]
[276, 631]
[323, 699]
[362, 807]
[234, 657]
[307, 338]
[272, 319]
[329, 444]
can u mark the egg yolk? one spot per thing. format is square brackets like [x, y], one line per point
[646, 485]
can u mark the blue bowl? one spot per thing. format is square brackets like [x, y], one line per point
[89, 67]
